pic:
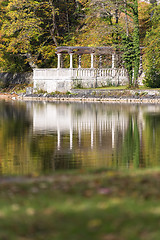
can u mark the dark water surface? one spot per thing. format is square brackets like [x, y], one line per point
[44, 137]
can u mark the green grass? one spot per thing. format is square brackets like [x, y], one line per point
[114, 87]
[124, 87]
[104, 205]
[21, 88]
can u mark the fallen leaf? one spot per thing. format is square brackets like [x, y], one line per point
[104, 191]
[30, 211]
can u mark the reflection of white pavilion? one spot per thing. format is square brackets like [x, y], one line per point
[92, 118]
[69, 118]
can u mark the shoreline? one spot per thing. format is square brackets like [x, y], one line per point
[102, 100]
[96, 95]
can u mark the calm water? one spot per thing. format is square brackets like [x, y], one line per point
[45, 137]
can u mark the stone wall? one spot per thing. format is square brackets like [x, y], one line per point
[16, 78]
[64, 80]
[50, 86]
[99, 82]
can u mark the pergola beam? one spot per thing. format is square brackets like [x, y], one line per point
[85, 50]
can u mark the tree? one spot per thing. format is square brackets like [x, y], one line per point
[131, 42]
[108, 22]
[152, 51]
[33, 29]
[8, 61]
[144, 12]
[26, 28]
[99, 23]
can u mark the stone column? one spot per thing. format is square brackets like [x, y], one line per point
[79, 61]
[100, 133]
[92, 60]
[92, 136]
[79, 135]
[58, 139]
[113, 60]
[71, 60]
[113, 136]
[71, 138]
[100, 61]
[59, 60]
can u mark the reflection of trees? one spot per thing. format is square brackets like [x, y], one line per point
[14, 133]
[44, 149]
[151, 149]
[131, 144]
[14, 118]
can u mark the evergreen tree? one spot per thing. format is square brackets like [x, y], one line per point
[152, 51]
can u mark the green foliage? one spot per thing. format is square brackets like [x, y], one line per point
[68, 93]
[152, 53]
[152, 78]
[131, 145]
[128, 55]
[145, 11]
[136, 42]
[98, 23]
[31, 30]
[40, 91]
[78, 84]
[131, 43]
[14, 63]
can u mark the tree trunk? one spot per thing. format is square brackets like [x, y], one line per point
[54, 29]
[136, 43]
[126, 18]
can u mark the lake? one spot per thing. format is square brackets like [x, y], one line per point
[42, 137]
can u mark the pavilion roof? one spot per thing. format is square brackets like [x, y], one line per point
[88, 50]
[85, 50]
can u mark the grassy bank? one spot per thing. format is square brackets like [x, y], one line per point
[104, 205]
[21, 88]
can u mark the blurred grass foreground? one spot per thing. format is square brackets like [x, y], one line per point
[97, 205]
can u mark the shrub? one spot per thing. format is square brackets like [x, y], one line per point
[152, 78]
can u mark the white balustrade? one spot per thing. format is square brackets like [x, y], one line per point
[54, 73]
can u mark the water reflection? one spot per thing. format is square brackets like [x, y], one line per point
[94, 119]
[44, 137]
[14, 131]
